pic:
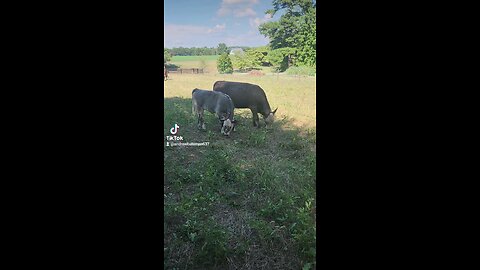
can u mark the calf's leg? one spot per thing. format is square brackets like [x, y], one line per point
[201, 122]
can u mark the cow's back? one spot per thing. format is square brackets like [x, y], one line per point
[243, 95]
[212, 101]
[201, 97]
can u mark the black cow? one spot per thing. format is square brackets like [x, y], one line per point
[246, 95]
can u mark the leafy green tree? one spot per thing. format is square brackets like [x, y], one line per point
[296, 29]
[166, 55]
[307, 42]
[224, 64]
[279, 58]
[255, 58]
[250, 59]
[222, 48]
[264, 50]
[240, 62]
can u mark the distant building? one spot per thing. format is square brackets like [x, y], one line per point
[236, 51]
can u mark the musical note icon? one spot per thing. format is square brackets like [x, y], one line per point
[174, 129]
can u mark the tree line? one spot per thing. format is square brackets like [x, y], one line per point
[195, 51]
[192, 51]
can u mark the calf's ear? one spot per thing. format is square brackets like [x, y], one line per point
[275, 110]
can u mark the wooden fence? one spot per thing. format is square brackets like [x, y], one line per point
[186, 70]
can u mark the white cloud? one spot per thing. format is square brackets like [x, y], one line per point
[183, 35]
[240, 8]
[184, 29]
[198, 36]
[254, 23]
[239, 1]
[248, 39]
[223, 11]
[245, 12]
[217, 28]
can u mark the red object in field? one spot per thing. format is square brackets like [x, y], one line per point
[256, 73]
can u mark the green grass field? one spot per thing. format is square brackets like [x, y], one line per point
[246, 201]
[209, 63]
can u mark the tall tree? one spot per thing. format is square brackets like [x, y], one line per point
[295, 29]
[279, 58]
[224, 64]
[222, 48]
[166, 55]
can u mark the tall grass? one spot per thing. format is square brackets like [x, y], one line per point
[246, 201]
[303, 70]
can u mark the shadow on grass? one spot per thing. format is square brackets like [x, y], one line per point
[242, 202]
[178, 110]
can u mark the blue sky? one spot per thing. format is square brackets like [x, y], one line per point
[200, 23]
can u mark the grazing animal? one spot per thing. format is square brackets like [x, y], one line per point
[165, 73]
[215, 102]
[246, 95]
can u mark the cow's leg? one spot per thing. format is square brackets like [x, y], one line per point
[203, 119]
[201, 124]
[255, 117]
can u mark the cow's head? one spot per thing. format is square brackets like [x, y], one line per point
[271, 117]
[228, 126]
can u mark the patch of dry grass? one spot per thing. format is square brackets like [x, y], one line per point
[295, 97]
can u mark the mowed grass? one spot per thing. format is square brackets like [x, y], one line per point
[210, 62]
[246, 201]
